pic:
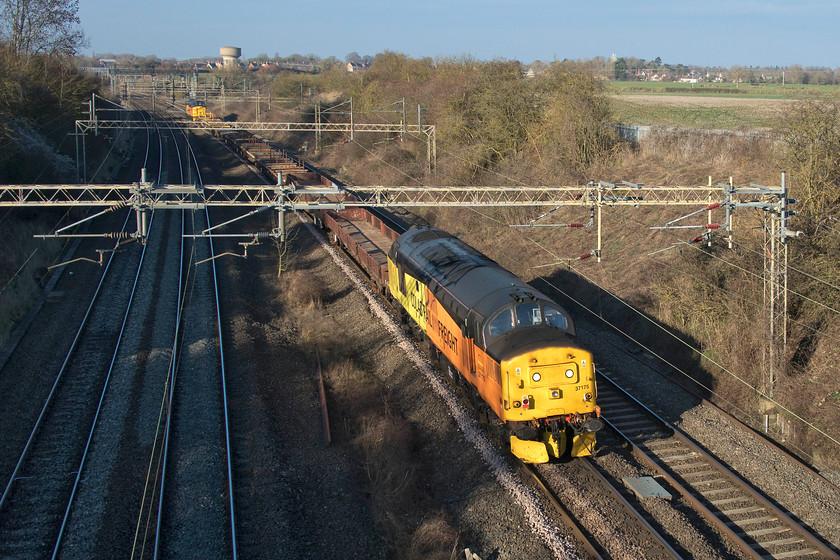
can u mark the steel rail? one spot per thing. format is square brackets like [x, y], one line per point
[737, 533]
[100, 403]
[566, 517]
[228, 458]
[61, 371]
[174, 368]
[173, 374]
[106, 384]
[666, 548]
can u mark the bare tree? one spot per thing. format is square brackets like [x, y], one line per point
[42, 26]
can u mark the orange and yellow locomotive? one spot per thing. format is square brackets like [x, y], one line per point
[510, 346]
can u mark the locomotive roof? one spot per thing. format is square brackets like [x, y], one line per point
[467, 283]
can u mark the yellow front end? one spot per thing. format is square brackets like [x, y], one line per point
[555, 384]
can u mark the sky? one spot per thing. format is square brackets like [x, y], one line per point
[703, 32]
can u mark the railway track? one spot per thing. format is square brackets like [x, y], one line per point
[41, 492]
[189, 503]
[593, 537]
[758, 527]
[42, 483]
[195, 506]
[78, 486]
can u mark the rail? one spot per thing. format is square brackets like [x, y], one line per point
[719, 495]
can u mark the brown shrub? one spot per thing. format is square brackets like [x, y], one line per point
[301, 288]
[386, 442]
[434, 539]
[350, 384]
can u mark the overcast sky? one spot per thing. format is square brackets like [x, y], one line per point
[702, 32]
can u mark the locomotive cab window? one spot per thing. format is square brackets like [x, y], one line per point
[528, 315]
[555, 317]
[500, 324]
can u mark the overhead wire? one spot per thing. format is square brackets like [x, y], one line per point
[695, 350]
[755, 303]
[760, 276]
[738, 378]
[793, 268]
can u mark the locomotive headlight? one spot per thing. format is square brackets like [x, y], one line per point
[570, 373]
[536, 377]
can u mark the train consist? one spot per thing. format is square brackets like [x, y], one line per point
[510, 348]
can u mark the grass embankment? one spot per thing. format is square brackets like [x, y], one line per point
[23, 263]
[41, 99]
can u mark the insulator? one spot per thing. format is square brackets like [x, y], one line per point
[585, 256]
[574, 224]
[697, 239]
[713, 205]
[118, 206]
[712, 226]
[119, 235]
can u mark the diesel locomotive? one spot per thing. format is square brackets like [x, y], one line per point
[197, 109]
[511, 347]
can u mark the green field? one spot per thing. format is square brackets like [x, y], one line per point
[751, 91]
[714, 106]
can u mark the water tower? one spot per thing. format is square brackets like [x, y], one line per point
[230, 55]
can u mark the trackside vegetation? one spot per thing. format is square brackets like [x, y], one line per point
[497, 124]
[40, 98]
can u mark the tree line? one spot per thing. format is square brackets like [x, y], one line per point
[40, 89]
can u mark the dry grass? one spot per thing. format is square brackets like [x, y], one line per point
[429, 540]
[390, 464]
[302, 288]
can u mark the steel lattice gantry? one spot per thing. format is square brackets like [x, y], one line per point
[143, 197]
[146, 196]
[96, 124]
[180, 196]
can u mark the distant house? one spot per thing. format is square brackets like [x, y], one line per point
[107, 62]
[355, 66]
